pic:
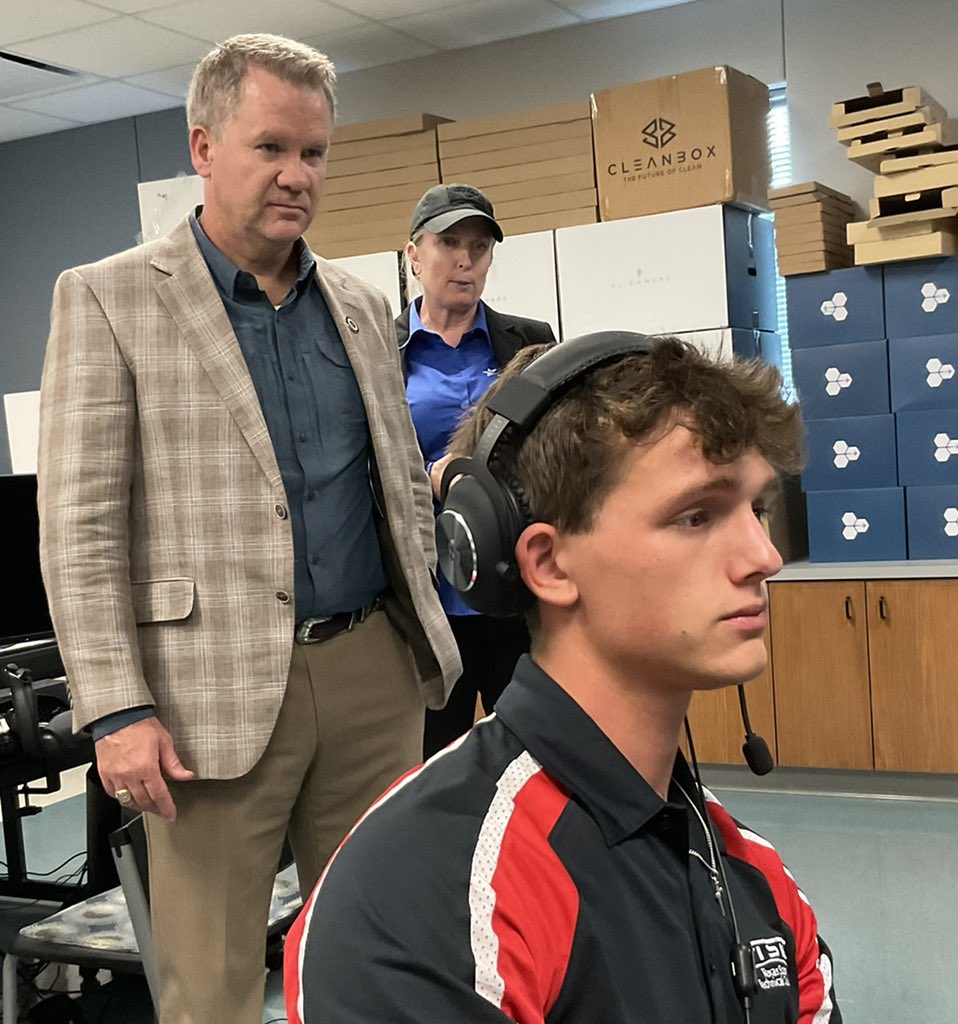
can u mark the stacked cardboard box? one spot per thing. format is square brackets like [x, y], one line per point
[906, 136]
[810, 223]
[536, 166]
[687, 140]
[377, 172]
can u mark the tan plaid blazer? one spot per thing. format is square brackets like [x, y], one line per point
[166, 547]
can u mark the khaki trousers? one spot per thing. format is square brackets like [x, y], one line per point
[350, 723]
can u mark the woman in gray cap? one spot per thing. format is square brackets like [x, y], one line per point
[453, 346]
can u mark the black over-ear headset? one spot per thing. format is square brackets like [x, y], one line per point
[482, 517]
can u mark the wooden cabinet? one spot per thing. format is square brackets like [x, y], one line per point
[819, 638]
[913, 653]
[863, 675]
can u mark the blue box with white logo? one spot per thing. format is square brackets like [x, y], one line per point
[921, 297]
[927, 447]
[932, 517]
[835, 307]
[856, 526]
[924, 372]
[842, 380]
[851, 452]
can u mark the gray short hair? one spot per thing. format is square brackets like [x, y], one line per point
[214, 91]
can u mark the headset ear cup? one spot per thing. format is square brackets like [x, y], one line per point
[476, 534]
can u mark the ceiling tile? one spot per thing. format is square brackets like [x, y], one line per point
[17, 80]
[27, 19]
[117, 48]
[368, 46]
[172, 81]
[23, 124]
[135, 6]
[220, 19]
[472, 24]
[596, 9]
[384, 10]
[103, 101]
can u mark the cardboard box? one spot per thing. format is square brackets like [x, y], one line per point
[871, 154]
[921, 298]
[522, 278]
[566, 131]
[842, 380]
[927, 447]
[462, 168]
[924, 372]
[687, 140]
[796, 266]
[688, 270]
[931, 515]
[409, 192]
[546, 221]
[910, 247]
[407, 125]
[879, 104]
[807, 191]
[850, 452]
[914, 163]
[554, 185]
[475, 126]
[856, 526]
[840, 306]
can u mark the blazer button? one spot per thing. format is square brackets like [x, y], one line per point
[282, 597]
[281, 511]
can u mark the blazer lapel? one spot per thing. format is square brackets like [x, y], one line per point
[187, 291]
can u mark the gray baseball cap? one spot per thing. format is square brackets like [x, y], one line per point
[445, 205]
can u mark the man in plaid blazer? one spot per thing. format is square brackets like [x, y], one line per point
[237, 531]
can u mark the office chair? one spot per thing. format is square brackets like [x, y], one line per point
[111, 931]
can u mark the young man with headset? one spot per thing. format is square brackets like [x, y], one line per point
[562, 862]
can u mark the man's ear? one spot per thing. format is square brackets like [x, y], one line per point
[200, 145]
[537, 558]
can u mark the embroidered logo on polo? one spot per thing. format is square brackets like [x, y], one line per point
[771, 966]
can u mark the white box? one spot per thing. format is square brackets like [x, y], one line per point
[380, 269]
[23, 429]
[166, 201]
[686, 270]
[522, 278]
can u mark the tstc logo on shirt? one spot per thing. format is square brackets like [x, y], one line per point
[771, 966]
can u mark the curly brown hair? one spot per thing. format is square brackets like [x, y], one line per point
[573, 456]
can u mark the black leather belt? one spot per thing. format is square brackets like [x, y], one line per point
[315, 631]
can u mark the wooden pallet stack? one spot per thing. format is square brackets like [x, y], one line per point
[810, 224]
[377, 172]
[536, 166]
[908, 140]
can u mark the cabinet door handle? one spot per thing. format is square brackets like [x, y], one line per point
[849, 611]
[882, 607]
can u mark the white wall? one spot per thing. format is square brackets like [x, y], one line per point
[827, 50]
[833, 48]
[569, 63]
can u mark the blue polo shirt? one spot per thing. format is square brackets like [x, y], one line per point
[442, 383]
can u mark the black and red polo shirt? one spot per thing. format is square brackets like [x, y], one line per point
[528, 873]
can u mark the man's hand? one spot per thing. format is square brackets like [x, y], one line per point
[139, 758]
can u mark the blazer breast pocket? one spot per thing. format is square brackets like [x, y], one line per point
[168, 600]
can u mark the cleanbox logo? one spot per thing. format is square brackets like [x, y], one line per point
[658, 133]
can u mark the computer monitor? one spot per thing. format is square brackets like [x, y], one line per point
[26, 632]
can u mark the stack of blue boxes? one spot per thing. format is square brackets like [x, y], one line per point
[875, 364]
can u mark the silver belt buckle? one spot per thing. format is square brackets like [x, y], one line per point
[302, 632]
